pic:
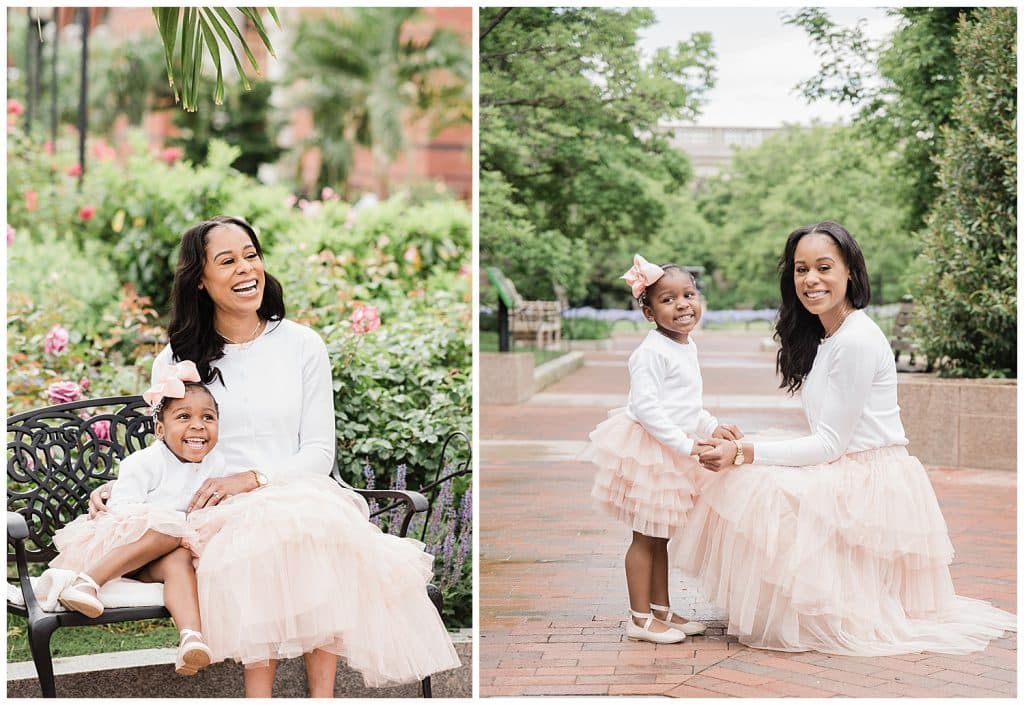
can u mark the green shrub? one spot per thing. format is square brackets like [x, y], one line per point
[586, 328]
[969, 299]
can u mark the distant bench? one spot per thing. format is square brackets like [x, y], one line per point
[901, 341]
[538, 322]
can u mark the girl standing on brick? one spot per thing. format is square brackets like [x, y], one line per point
[645, 453]
[835, 541]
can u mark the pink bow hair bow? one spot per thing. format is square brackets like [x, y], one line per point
[170, 382]
[641, 275]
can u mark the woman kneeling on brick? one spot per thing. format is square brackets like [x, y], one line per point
[833, 542]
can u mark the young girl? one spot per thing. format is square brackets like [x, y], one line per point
[645, 453]
[147, 513]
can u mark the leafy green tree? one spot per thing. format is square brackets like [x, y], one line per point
[363, 80]
[573, 162]
[241, 121]
[798, 177]
[904, 87]
[969, 299]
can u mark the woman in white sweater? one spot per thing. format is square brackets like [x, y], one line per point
[289, 563]
[835, 541]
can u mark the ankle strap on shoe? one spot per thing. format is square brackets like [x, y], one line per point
[660, 608]
[190, 633]
[87, 579]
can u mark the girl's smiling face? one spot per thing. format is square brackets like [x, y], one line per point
[673, 304]
[189, 426]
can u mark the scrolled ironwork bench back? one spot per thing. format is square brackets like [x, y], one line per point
[55, 458]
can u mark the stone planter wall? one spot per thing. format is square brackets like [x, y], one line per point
[506, 378]
[960, 422]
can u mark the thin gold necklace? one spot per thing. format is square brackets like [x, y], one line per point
[846, 313]
[248, 341]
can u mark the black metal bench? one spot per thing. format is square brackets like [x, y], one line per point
[55, 457]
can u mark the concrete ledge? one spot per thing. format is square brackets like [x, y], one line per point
[960, 422]
[150, 673]
[554, 370]
[506, 378]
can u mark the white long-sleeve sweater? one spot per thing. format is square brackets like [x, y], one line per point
[665, 391]
[849, 398]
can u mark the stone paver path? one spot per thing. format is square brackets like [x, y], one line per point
[552, 589]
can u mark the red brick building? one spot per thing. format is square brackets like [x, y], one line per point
[444, 158]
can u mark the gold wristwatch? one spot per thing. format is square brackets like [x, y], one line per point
[739, 459]
[261, 479]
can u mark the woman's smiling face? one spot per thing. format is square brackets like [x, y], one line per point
[820, 275]
[233, 274]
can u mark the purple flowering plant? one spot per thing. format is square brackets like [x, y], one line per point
[446, 531]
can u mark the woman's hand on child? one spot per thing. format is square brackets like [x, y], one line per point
[98, 499]
[216, 490]
[728, 432]
[721, 455]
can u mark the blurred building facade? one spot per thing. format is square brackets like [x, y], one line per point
[444, 158]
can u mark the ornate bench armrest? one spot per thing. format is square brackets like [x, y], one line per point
[16, 526]
[414, 502]
[17, 532]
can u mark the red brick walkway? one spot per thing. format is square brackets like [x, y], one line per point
[552, 590]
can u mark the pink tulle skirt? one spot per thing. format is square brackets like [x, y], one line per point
[297, 566]
[849, 557]
[84, 540]
[639, 481]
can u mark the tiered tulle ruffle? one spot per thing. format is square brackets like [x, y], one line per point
[297, 566]
[639, 481]
[86, 540]
[849, 557]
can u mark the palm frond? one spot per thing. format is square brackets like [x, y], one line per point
[203, 30]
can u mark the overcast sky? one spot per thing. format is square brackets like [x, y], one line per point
[759, 61]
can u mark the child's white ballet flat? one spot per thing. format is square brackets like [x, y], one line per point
[688, 628]
[643, 633]
[74, 597]
[193, 653]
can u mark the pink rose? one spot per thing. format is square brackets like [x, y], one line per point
[290, 200]
[48, 147]
[86, 212]
[63, 392]
[30, 201]
[365, 319]
[14, 107]
[102, 430]
[327, 193]
[10, 235]
[171, 154]
[84, 383]
[75, 170]
[56, 340]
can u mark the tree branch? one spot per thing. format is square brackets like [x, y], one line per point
[495, 22]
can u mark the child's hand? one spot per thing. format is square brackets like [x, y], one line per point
[720, 456]
[727, 432]
[699, 448]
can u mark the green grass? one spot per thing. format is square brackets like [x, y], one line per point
[489, 343]
[77, 641]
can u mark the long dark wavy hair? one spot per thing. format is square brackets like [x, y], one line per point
[799, 331]
[191, 330]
